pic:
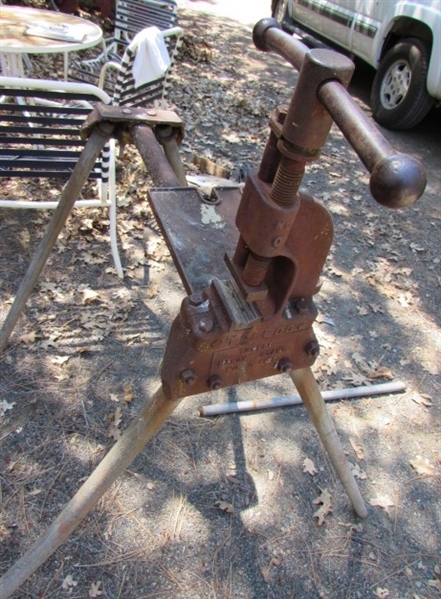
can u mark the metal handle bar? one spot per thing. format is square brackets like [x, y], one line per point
[397, 180]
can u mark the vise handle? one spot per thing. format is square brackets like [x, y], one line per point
[397, 180]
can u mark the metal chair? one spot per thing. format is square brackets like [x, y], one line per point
[119, 76]
[39, 137]
[131, 17]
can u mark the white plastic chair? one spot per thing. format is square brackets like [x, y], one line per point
[39, 137]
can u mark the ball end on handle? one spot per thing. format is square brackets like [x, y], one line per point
[397, 181]
[259, 32]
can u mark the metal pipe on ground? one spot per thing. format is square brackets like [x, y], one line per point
[254, 405]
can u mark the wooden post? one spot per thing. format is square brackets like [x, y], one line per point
[309, 391]
[151, 417]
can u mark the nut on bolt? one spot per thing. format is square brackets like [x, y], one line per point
[196, 299]
[301, 305]
[214, 382]
[188, 376]
[312, 348]
[284, 365]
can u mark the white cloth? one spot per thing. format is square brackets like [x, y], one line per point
[152, 59]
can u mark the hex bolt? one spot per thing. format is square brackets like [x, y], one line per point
[280, 114]
[188, 376]
[214, 382]
[284, 365]
[312, 348]
[196, 299]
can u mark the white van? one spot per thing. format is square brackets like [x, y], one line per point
[401, 39]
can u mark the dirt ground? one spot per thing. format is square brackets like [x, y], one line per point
[236, 506]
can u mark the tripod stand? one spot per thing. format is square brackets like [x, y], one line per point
[249, 315]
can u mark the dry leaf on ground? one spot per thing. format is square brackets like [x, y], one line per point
[383, 501]
[28, 338]
[94, 590]
[422, 398]
[435, 584]
[128, 394]
[5, 406]
[359, 451]
[309, 467]
[357, 472]
[69, 582]
[422, 467]
[115, 420]
[224, 506]
[326, 507]
[381, 372]
[89, 295]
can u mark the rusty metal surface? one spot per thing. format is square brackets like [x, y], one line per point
[396, 181]
[197, 232]
[221, 339]
[154, 158]
[127, 117]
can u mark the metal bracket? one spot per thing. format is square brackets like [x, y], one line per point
[126, 118]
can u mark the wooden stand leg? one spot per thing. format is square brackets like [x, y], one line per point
[154, 413]
[73, 188]
[309, 391]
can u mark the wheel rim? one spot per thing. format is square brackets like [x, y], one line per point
[395, 84]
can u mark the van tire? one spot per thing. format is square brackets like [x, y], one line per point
[399, 98]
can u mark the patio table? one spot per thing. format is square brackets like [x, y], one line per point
[25, 30]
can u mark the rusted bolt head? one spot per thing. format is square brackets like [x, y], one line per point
[126, 111]
[206, 324]
[196, 299]
[152, 112]
[301, 305]
[284, 365]
[188, 376]
[312, 348]
[214, 382]
[280, 113]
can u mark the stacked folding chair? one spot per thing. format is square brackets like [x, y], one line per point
[131, 17]
[40, 125]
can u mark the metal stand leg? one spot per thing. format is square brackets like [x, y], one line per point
[167, 138]
[309, 391]
[79, 176]
[151, 417]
